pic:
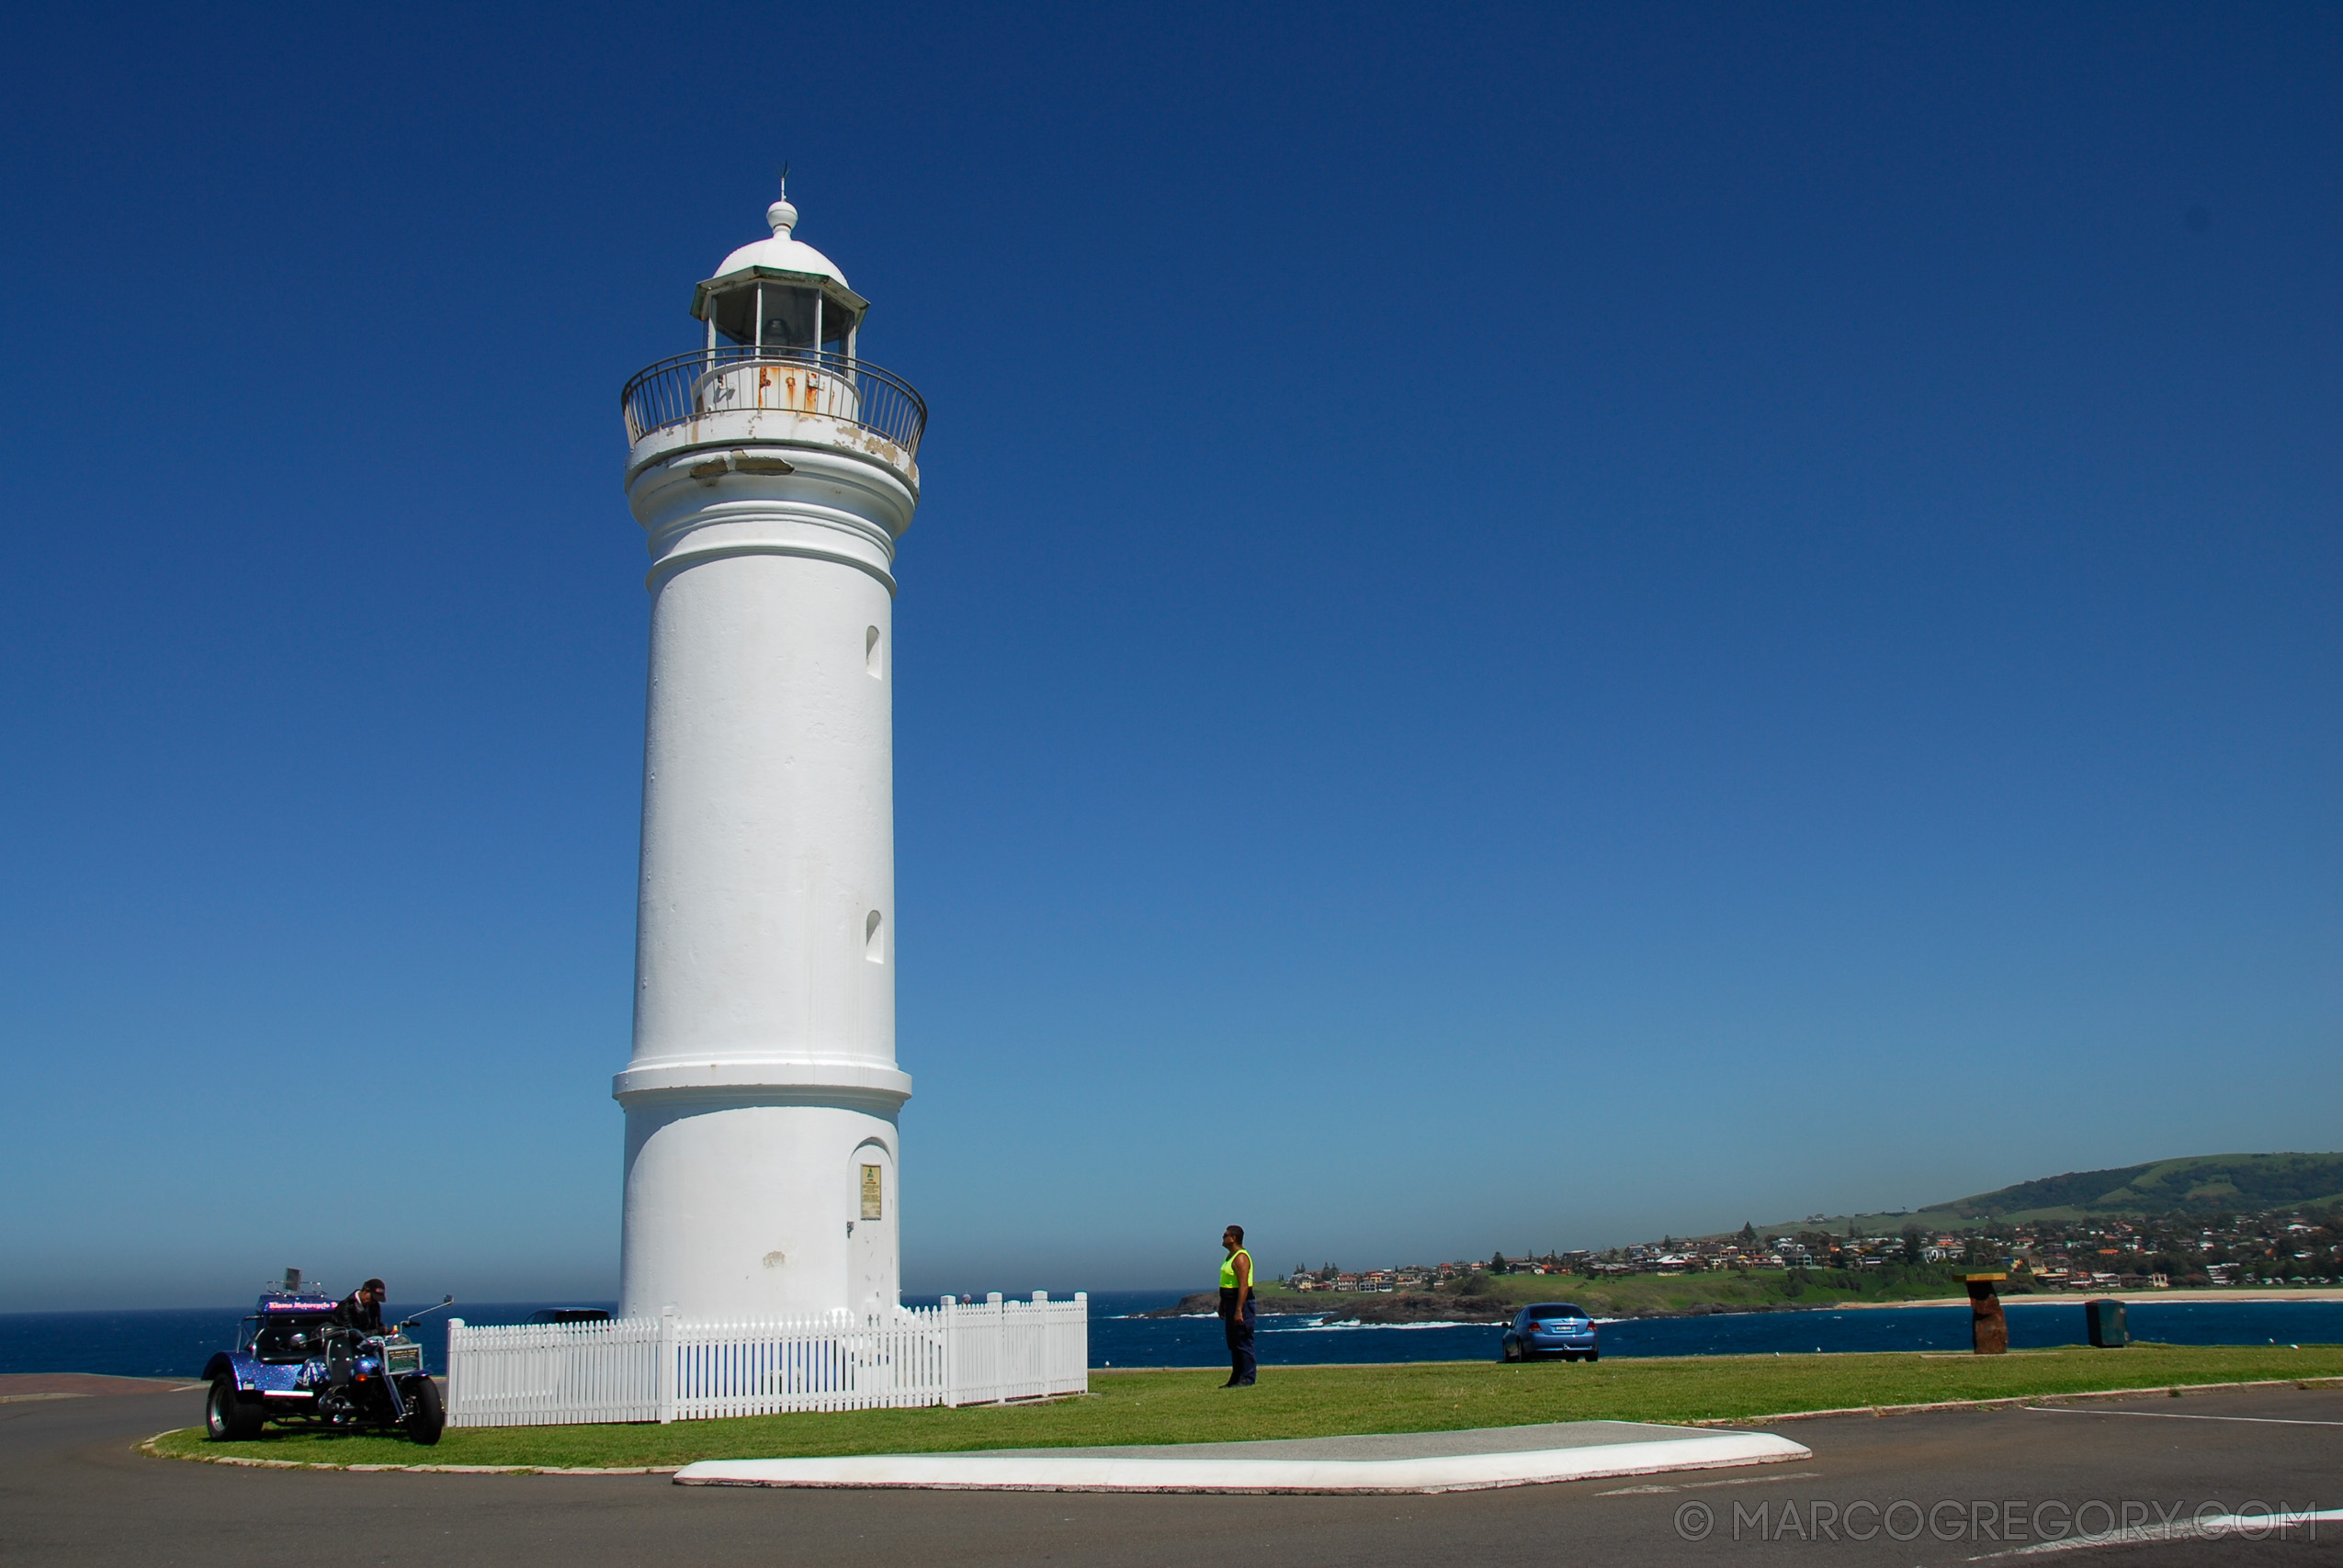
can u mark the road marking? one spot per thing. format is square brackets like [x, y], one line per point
[28, 1398]
[2177, 1416]
[1696, 1485]
[2191, 1530]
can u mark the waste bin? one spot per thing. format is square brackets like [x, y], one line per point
[2106, 1322]
[1989, 1329]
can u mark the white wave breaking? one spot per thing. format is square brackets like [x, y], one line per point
[1355, 1322]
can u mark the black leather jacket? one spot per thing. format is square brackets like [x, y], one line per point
[355, 1312]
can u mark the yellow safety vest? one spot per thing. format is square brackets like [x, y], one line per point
[1229, 1269]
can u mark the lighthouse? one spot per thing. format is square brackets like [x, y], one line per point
[772, 469]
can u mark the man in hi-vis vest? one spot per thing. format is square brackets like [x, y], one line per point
[1236, 1307]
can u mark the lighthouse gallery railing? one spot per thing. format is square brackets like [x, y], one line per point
[707, 381]
[663, 1369]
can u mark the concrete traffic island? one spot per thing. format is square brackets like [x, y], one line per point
[1412, 1461]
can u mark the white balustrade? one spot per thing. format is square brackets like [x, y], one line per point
[664, 1369]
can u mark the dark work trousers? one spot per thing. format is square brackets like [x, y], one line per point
[1238, 1327]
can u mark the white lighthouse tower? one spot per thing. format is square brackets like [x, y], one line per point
[773, 470]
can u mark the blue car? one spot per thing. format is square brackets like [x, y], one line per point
[1552, 1328]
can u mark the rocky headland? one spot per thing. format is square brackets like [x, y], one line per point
[1396, 1306]
[1441, 1306]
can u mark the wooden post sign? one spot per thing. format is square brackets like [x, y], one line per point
[1988, 1329]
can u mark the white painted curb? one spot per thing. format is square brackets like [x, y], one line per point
[1446, 1472]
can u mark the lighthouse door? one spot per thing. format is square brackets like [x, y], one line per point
[870, 1253]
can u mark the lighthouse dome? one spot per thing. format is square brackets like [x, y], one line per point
[781, 252]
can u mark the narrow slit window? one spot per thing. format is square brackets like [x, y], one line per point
[870, 654]
[874, 944]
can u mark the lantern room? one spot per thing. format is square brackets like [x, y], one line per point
[780, 299]
[778, 361]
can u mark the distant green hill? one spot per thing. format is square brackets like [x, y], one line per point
[2200, 1184]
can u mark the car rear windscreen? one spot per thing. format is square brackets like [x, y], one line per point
[1556, 1309]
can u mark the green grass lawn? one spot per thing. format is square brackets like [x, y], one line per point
[1187, 1406]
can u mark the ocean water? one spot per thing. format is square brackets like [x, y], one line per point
[177, 1343]
[1120, 1341]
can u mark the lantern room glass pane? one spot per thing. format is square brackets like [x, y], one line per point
[788, 315]
[734, 313]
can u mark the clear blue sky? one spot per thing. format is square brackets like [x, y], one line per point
[1528, 626]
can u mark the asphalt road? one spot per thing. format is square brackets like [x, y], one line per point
[73, 1490]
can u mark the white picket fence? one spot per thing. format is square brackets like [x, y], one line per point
[663, 1369]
